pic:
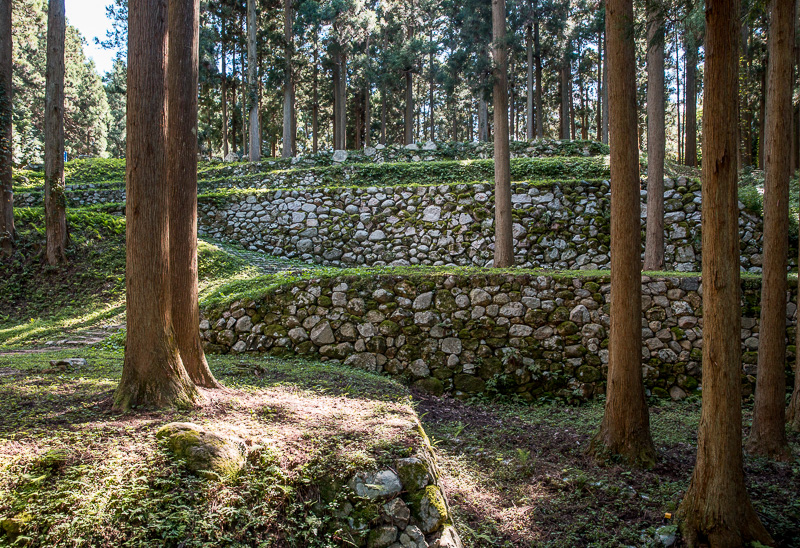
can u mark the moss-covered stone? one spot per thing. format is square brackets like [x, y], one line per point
[431, 385]
[208, 454]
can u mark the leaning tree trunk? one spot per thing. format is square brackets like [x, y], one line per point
[6, 125]
[152, 374]
[768, 434]
[503, 239]
[625, 430]
[182, 80]
[408, 133]
[288, 82]
[656, 140]
[252, 78]
[690, 154]
[716, 510]
[55, 207]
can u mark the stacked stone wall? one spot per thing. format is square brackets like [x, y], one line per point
[523, 335]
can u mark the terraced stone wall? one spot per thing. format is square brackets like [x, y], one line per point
[557, 225]
[524, 335]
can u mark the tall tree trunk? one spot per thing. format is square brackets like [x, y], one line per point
[408, 135]
[182, 80]
[656, 139]
[54, 188]
[337, 99]
[383, 113]
[432, 75]
[6, 139]
[537, 54]
[716, 510]
[600, 59]
[793, 412]
[358, 122]
[691, 100]
[768, 434]
[511, 102]
[483, 120]
[566, 85]
[315, 100]
[605, 86]
[530, 129]
[762, 114]
[252, 77]
[288, 81]
[152, 374]
[340, 100]
[625, 430]
[584, 117]
[225, 150]
[503, 238]
[678, 94]
[234, 133]
[367, 115]
[245, 125]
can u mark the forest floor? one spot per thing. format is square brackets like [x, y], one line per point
[516, 475]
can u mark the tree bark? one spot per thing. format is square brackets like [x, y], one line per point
[245, 125]
[339, 98]
[503, 239]
[716, 509]
[768, 434]
[225, 149]
[530, 128]
[408, 134]
[656, 140]
[288, 82]
[605, 88]
[6, 127]
[315, 100]
[55, 206]
[252, 78]
[182, 81]
[691, 101]
[625, 430]
[600, 59]
[565, 94]
[793, 412]
[537, 54]
[153, 374]
[678, 94]
[432, 75]
[234, 133]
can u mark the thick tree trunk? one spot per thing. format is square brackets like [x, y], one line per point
[408, 133]
[566, 86]
[225, 149]
[252, 77]
[605, 87]
[6, 138]
[691, 101]
[793, 412]
[152, 374]
[530, 129]
[656, 140]
[288, 81]
[768, 434]
[54, 200]
[182, 80]
[716, 510]
[503, 238]
[625, 430]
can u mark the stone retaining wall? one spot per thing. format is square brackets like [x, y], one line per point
[524, 335]
[562, 225]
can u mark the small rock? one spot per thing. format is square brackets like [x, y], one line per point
[339, 156]
[382, 537]
[397, 511]
[322, 334]
[414, 473]
[379, 485]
